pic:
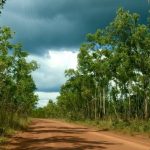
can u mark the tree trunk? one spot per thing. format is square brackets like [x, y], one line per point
[104, 102]
[95, 105]
[100, 107]
[129, 111]
[146, 106]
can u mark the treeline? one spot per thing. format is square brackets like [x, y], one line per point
[17, 98]
[113, 75]
[17, 87]
[51, 110]
[112, 80]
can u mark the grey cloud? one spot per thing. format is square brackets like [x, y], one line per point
[42, 25]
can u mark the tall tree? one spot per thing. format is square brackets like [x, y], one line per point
[17, 87]
[112, 79]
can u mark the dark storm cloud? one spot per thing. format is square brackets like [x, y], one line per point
[45, 24]
[54, 89]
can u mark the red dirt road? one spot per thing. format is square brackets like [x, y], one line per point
[45, 134]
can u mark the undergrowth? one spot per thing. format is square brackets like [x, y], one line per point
[11, 127]
[127, 127]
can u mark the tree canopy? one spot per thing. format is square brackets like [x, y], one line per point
[112, 79]
[17, 87]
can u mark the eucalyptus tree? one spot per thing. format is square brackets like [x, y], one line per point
[88, 83]
[17, 87]
[129, 42]
[24, 83]
[5, 69]
[113, 73]
[141, 40]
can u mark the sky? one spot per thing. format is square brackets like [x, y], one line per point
[53, 30]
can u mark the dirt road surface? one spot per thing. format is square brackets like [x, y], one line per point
[45, 134]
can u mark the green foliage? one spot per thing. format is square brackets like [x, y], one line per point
[3, 140]
[132, 127]
[112, 80]
[17, 98]
[113, 75]
[49, 111]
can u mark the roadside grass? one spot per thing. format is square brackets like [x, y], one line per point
[7, 132]
[12, 127]
[134, 127]
[3, 140]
